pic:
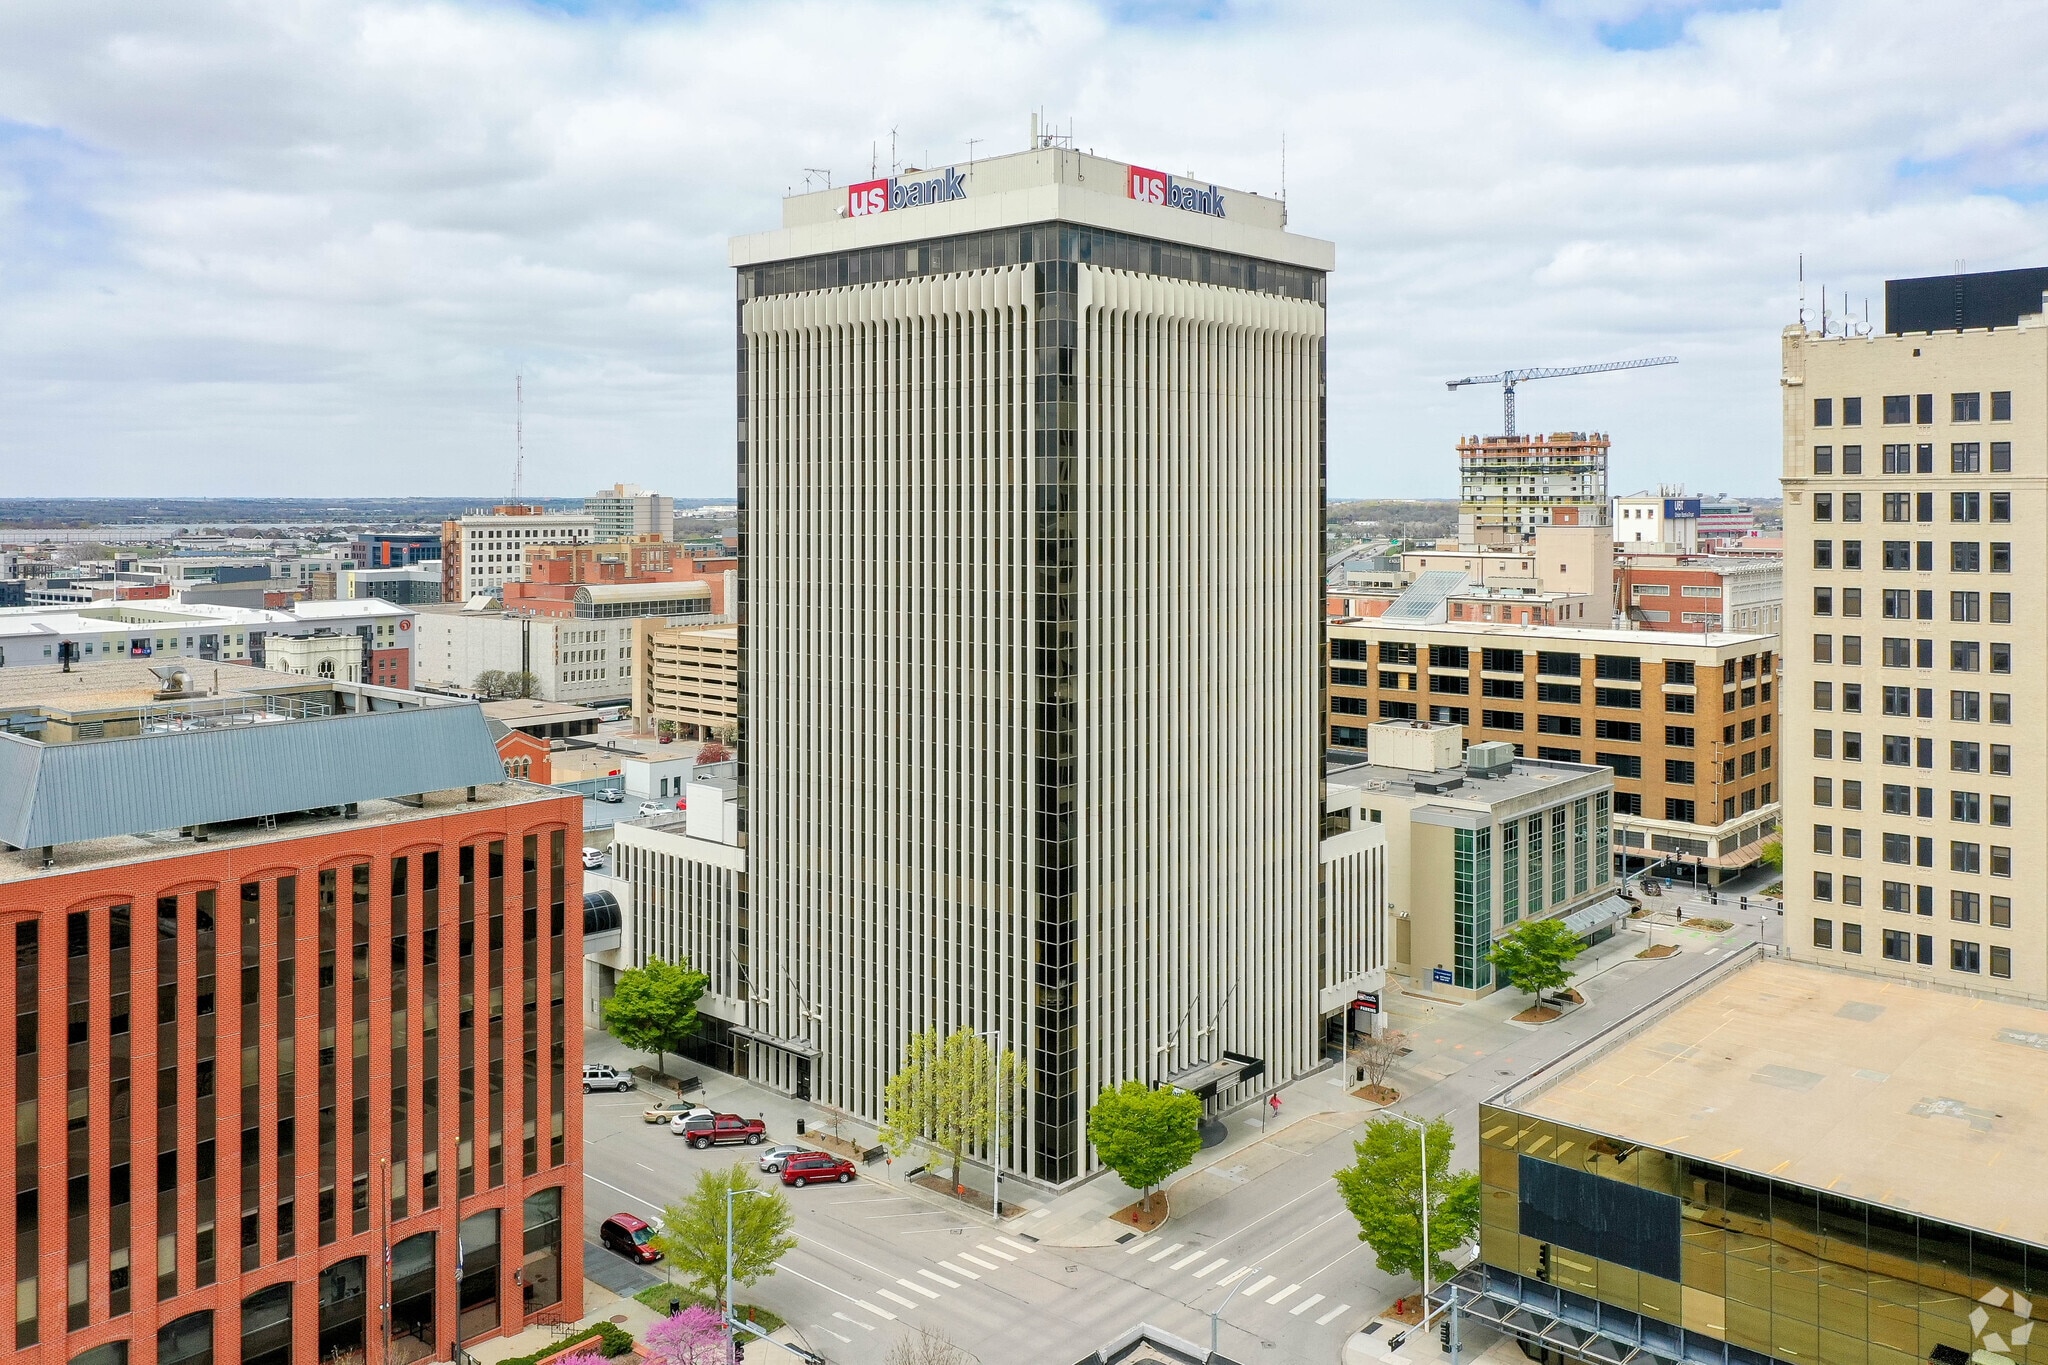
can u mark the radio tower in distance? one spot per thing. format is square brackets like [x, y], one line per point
[518, 435]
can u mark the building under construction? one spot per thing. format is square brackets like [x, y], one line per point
[1510, 485]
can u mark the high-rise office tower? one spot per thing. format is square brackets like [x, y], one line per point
[1031, 457]
[1913, 712]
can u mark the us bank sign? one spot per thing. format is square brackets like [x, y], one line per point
[1157, 187]
[880, 196]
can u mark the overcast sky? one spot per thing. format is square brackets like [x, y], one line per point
[301, 247]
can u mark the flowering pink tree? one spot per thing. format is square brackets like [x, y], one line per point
[692, 1337]
[580, 1358]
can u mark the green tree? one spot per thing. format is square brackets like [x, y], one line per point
[1145, 1135]
[1383, 1190]
[692, 1235]
[1771, 853]
[1532, 957]
[654, 1008]
[951, 1093]
[490, 684]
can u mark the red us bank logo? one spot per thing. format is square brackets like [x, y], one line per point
[870, 196]
[1148, 187]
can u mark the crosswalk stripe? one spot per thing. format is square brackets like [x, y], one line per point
[940, 1279]
[1282, 1294]
[984, 1246]
[958, 1271]
[1162, 1255]
[1189, 1259]
[985, 1265]
[1260, 1283]
[1306, 1304]
[1212, 1267]
[1326, 1319]
[848, 1317]
[1138, 1246]
[1018, 1246]
[1234, 1276]
[917, 1288]
[882, 1313]
[893, 1297]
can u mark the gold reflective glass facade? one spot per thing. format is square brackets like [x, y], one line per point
[1766, 1269]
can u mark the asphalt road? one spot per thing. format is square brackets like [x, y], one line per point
[874, 1262]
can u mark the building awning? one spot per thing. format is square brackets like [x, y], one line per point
[795, 1047]
[1207, 1078]
[1597, 916]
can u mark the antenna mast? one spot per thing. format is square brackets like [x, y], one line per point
[518, 434]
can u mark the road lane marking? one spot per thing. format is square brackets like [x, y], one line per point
[1184, 1262]
[1332, 1261]
[934, 1276]
[878, 1312]
[1234, 1276]
[1256, 1285]
[1306, 1304]
[1212, 1267]
[1326, 1319]
[918, 1288]
[893, 1297]
[1313, 1227]
[1137, 1246]
[645, 1167]
[1314, 1189]
[1162, 1255]
[984, 1246]
[848, 1317]
[1284, 1293]
[958, 1271]
[830, 1333]
[1018, 1246]
[969, 1256]
[628, 1193]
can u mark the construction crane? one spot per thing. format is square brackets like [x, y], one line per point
[1507, 379]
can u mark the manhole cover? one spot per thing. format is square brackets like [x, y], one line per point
[618, 1317]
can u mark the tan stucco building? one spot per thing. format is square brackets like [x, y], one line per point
[1915, 513]
[688, 676]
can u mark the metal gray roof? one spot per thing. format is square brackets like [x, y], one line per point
[95, 789]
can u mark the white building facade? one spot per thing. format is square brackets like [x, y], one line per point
[489, 548]
[1022, 754]
[626, 510]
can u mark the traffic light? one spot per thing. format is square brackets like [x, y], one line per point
[739, 1349]
[1443, 1334]
[1543, 1262]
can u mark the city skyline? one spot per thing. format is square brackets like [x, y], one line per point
[302, 287]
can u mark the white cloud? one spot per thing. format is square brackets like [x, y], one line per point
[302, 247]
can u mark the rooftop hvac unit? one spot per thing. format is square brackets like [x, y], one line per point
[1491, 759]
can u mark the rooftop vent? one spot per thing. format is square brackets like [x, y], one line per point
[1491, 759]
[1439, 783]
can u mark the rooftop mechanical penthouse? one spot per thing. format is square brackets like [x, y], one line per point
[290, 1013]
[1022, 754]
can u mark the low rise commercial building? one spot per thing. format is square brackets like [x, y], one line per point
[482, 551]
[1477, 843]
[196, 633]
[1685, 721]
[586, 658]
[555, 572]
[686, 679]
[275, 1095]
[1784, 1164]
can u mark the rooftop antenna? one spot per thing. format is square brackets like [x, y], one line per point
[971, 144]
[1283, 168]
[895, 166]
[1823, 310]
[810, 171]
[1802, 291]
[874, 158]
[518, 435]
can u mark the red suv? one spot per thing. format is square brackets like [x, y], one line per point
[630, 1237]
[808, 1168]
[721, 1129]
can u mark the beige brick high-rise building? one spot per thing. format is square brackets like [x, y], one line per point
[1913, 715]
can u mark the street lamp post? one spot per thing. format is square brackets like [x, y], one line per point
[996, 1157]
[730, 1330]
[1428, 1253]
[1216, 1313]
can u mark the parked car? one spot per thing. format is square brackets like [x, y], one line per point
[720, 1130]
[648, 808]
[809, 1168]
[772, 1159]
[668, 1111]
[630, 1237]
[593, 858]
[598, 1076]
[611, 796]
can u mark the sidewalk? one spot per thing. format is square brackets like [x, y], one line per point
[599, 1305]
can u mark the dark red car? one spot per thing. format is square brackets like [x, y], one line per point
[722, 1129]
[629, 1236]
[809, 1168]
